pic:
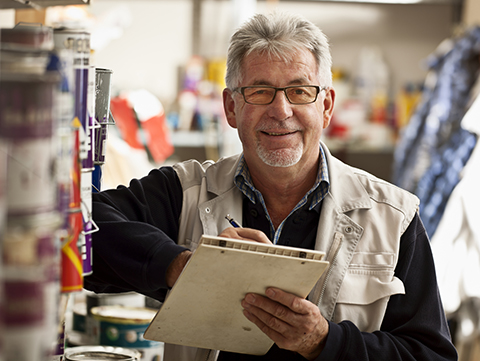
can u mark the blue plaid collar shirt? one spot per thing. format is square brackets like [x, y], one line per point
[315, 195]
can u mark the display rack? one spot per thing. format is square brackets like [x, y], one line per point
[27, 4]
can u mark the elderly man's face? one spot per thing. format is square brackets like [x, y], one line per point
[280, 134]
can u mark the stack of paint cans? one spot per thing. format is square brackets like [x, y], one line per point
[114, 320]
[123, 326]
[80, 221]
[83, 323]
[30, 245]
[48, 152]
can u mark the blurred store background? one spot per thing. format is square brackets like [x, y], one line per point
[406, 76]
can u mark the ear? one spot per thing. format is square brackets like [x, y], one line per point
[328, 102]
[229, 107]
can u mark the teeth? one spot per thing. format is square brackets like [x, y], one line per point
[277, 133]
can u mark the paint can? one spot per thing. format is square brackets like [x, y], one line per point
[27, 37]
[30, 178]
[97, 178]
[79, 334]
[31, 284]
[78, 42]
[104, 118]
[27, 123]
[31, 254]
[83, 324]
[64, 166]
[71, 260]
[91, 125]
[89, 225]
[27, 105]
[27, 118]
[24, 318]
[102, 111]
[25, 49]
[124, 327]
[79, 316]
[61, 61]
[126, 299]
[101, 353]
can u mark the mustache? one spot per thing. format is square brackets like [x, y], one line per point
[284, 127]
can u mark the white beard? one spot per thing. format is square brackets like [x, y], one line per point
[281, 158]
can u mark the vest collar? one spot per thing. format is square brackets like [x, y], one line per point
[345, 188]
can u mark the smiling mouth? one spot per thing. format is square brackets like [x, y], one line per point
[277, 134]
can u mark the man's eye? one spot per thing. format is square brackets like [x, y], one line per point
[301, 90]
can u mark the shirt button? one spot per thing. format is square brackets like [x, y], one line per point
[254, 212]
[298, 219]
[207, 210]
[348, 229]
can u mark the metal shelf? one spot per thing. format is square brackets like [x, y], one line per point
[35, 4]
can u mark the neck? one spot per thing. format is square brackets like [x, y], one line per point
[283, 188]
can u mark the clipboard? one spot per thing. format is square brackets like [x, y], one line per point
[203, 307]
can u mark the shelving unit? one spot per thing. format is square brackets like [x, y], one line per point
[27, 4]
[41, 228]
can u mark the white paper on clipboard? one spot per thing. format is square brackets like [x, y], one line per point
[203, 308]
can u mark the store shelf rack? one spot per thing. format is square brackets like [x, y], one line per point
[26, 4]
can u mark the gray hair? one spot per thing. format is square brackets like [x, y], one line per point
[278, 35]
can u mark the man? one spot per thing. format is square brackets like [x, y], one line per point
[379, 298]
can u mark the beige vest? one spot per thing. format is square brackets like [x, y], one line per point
[360, 226]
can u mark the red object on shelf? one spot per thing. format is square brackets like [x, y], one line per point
[72, 268]
[71, 259]
[152, 134]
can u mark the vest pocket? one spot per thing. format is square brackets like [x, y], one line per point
[366, 289]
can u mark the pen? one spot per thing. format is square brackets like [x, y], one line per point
[232, 221]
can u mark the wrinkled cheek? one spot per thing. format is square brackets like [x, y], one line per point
[246, 133]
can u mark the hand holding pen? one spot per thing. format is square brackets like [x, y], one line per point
[246, 234]
[232, 221]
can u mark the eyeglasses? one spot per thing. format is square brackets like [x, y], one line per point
[264, 94]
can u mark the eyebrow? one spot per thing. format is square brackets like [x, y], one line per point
[298, 81]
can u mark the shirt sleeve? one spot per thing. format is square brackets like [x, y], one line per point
[137, 237]
[414, 326]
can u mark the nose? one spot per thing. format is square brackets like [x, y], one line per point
[280, 108]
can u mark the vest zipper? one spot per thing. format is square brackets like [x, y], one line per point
[332, 257]
[208, 355]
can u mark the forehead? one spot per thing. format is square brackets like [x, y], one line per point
[298, 66]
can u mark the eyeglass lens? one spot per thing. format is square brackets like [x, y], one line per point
[295, 94]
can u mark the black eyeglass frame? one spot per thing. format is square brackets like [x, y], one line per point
[241, 90]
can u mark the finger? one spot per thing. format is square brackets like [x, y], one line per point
[303, 333]
[253, 235]
[230, 232]
[301, 315]
[296, 304]
[246, 234]
[275, 329]
[286, 336]
[271, 313]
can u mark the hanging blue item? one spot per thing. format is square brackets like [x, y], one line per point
[438, 182]
[434, 148]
